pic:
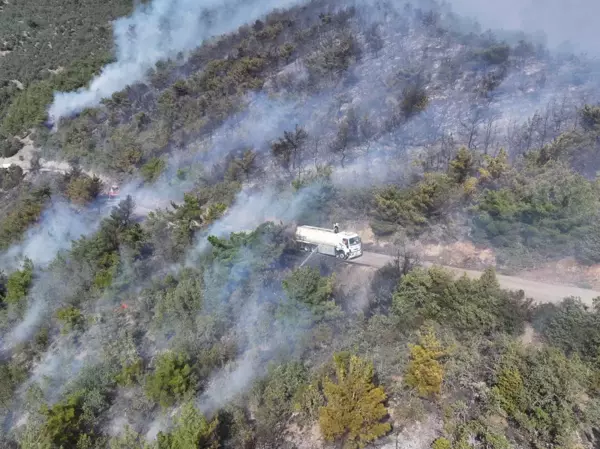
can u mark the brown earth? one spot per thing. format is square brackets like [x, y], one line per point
[563, 276]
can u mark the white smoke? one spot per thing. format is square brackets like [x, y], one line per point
[227, 383]
[45, 294]
[59, 226]
[265, 336]
[159, 31]
[562, 24]
[250, 210]
[26, 327]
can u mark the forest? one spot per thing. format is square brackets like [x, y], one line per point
[196, 323]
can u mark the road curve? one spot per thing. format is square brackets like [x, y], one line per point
[540, 292]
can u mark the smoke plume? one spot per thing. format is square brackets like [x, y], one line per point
[59, 226]
[167, 27]
[159, 31]
[561, 24]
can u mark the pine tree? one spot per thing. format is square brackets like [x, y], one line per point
[462, 165]
[425, 372]
[494, 167]
[171, 379]
[354, 410]
[192, 431]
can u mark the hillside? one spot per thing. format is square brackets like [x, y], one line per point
[182, 316]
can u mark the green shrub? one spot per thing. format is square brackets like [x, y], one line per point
[9, 147]
[270, 32]
[462, 166]
[64, 425]
[411, 208]
[570, 326]
[286, 50]
[192, 430]
[12, 374]
[540, 391]
[129, 439]
[18, 283]
[414, 101]
[441, 443]
[26, 212]
[71, 318]
[305, 286]
[275, 395]
[334, 57]
[425, 372]
[240, 169]
[587, 246]
[469, 306]
[545, 209]
[28, 109]
[171, 379]
[590, 117]
[178, 305]
[152, 169]
[495, 55]
[83, 189]
[130, 373]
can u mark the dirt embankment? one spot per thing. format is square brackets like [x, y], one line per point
[565, 271]
[548, 283]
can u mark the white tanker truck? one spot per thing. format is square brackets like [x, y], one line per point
[343, 245]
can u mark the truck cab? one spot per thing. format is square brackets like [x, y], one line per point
[352, 244]
[113, 192]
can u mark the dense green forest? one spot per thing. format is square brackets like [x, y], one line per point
[199, 325]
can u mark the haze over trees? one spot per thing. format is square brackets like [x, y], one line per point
[199, 326]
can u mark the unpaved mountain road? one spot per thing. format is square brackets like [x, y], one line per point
[540, 292]
[25, 156]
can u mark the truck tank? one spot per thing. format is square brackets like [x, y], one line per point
[320, 235]
[329, 241]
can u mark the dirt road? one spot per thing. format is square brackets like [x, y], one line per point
[24, 157]
[540, 292]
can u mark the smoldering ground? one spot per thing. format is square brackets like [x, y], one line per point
[164, 28]
[252, 208]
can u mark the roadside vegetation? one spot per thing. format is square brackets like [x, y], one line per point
[538, 208]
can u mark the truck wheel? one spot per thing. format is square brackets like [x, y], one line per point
[339, 255]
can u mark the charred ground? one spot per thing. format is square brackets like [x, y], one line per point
[194, 328]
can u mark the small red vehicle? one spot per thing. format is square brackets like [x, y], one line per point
[113, 192]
